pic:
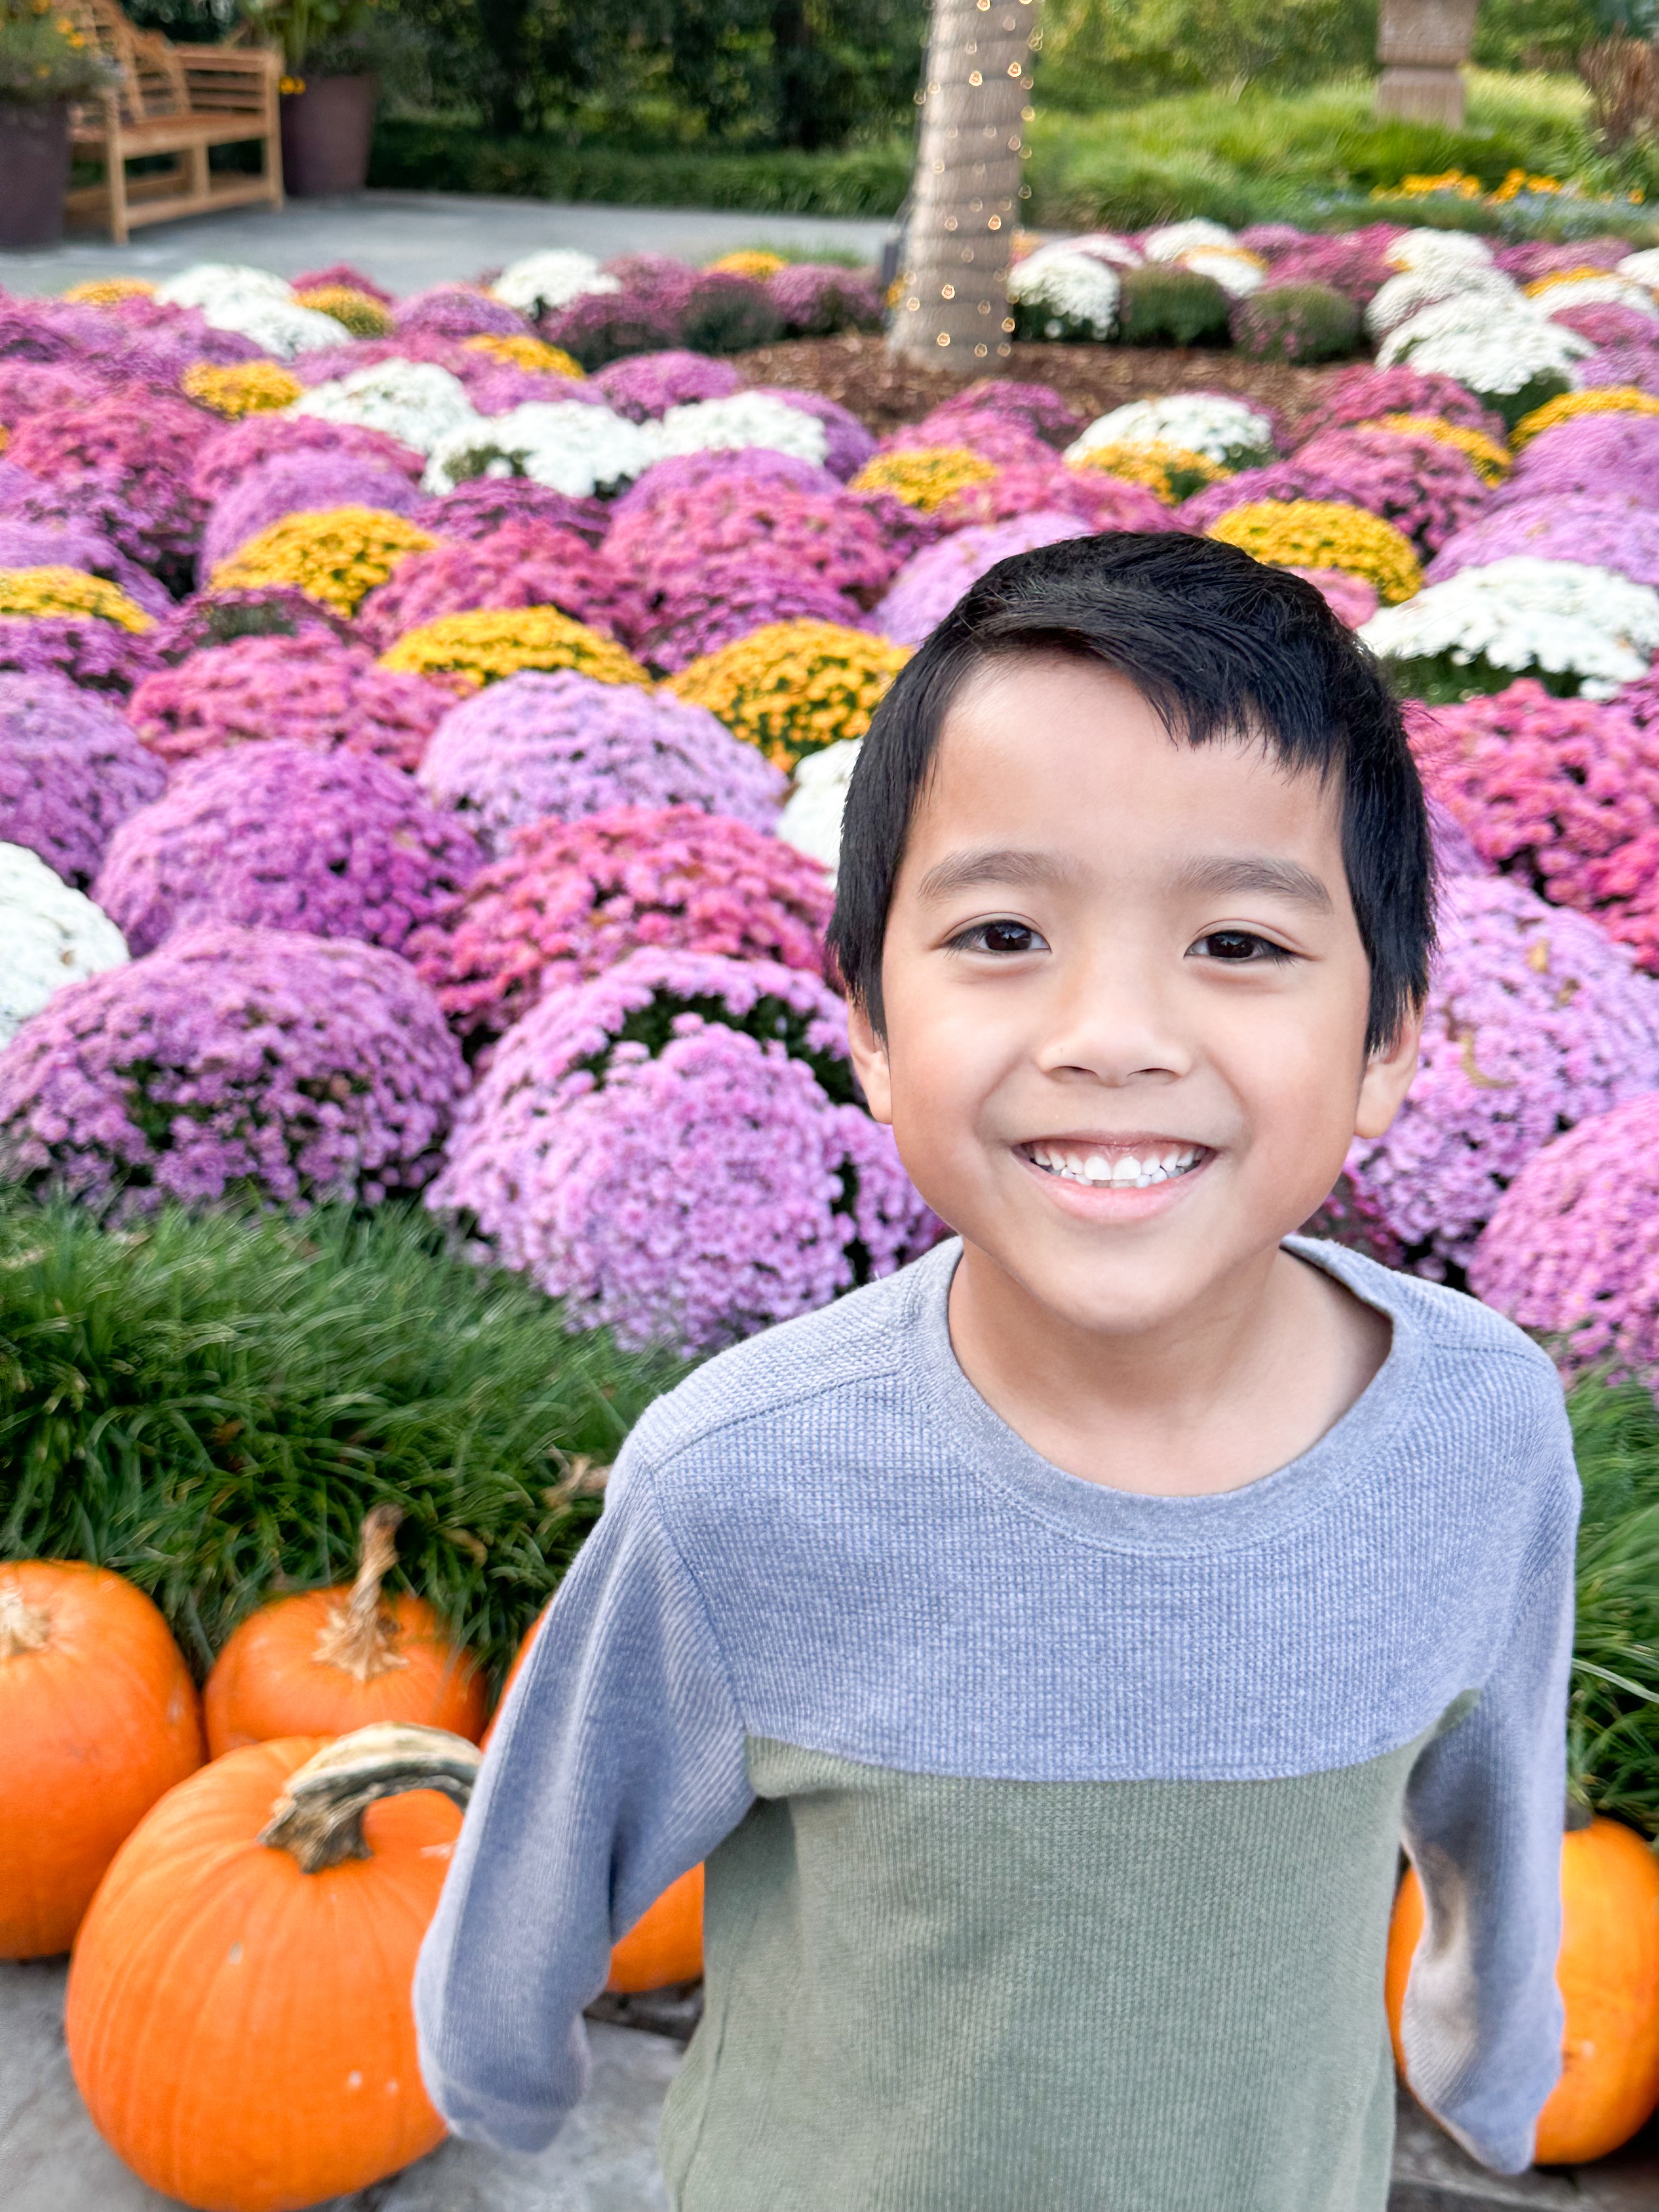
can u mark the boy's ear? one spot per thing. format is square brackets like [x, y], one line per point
[870, 1061]
[1387, 1078]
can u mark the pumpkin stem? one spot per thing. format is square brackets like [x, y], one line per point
[360, 1637]
[23, 1627]
[318, 1819]
[1579, 1814]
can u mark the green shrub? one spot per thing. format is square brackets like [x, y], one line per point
[1296, 322]
[728, 314]
[1374, 156]
[210, 1405]
[1512, 406]
[1162, 306]
[1614, 1713]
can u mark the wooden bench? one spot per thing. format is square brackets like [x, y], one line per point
[176, 101]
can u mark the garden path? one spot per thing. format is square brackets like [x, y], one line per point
[406, 241]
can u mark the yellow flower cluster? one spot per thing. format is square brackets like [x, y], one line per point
[791, 688]
[1466, 187]
[1560, 277]
[1601, 399]
[526, 352]
[750, 261]
[1170, 472]
[481, 647]
[108, 291]
[1490, 461]
[361, 312]
[248, 388]
[336, 556]
[923, 475]
[53, 590]
[1324, 533]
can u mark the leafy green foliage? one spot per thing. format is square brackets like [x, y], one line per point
[1296, 322]
[1102, 53]
[1614, 1714]
[1163, 305]
[212, 1403]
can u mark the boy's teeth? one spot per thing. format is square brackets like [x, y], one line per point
[1128, 1172]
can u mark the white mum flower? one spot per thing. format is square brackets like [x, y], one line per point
[1209, 423]
[1099, 246]
[52, 936]
[415, 401]
[569, 445]
[1070, 292]
[541, 282]
[1520, 613]
[810, 820]
[281, 326]
[1489, 351]
[1416, 249]
[1172, 239]
[206, 282]
[747, 418]
[1588, 291]
[1407, 294]
[1642, 266]
[1239, 273]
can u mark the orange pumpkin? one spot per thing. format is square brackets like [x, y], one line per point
[98, 1718]
[664, 1945]
[329, 1660]
[239, 2016]
[1608, 1974]
[512, 1676]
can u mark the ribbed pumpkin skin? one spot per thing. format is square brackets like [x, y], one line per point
[243, 2032]
[266, 1682]
[97, 1725]
[664, 1945]
[1608, 1974]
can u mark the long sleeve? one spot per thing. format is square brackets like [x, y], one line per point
[618, 1763]
[1483, 2018]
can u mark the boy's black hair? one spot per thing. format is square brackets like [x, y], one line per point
[1217, 644]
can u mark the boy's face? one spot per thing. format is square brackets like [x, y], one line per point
[1126, 998]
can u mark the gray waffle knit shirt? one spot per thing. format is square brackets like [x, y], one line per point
[1051, 1830]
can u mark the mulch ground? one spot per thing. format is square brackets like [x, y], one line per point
[884, 389]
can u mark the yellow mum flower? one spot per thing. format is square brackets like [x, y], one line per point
[1561, 277]
[338, 556]
[1170, 472]
[791, 688]
[522, 351]
[484, 647]
[108, 291]
[1490, 461]
[1603, 400]
[1324, 533]
[53, 590]
[923, 475]
[249, 387]
[750, 261]
[362, 313]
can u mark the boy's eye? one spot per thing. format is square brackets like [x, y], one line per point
[1240, 946]
[1005, 937]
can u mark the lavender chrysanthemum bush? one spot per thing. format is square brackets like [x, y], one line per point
[929, 584]
[1364, 394]
[306, 688]
[483, 505]
[1572, 1248]
[294, 1070]
[282, 836]
[1593, 457]
[70, 771]
[644, 386]
[1098, 501]
[674, 1150]
[562, 746]
[142, 446]
[1037, 408]
[522, 564]
[1535, 1020]
[457, 311]
[817, 299]
[98, 656]
[1603, 533]
[300, 483]
[1426, 489]
[572, 899]
[77, 544]
[210, 618]
[230, 455]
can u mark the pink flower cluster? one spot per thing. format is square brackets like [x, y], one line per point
[523, 564]
[932, 581]
[571, 900]
[563, 746]
[231, 1063]
[300, 483]
[141, 444]
[673, 1150]
[1098, 501]
[1427, 490]
[282, 836]
[1603, 533]
[232, 453]
[816, 300]
[70, 770]
[1592, 456]
[99, 656]
[1350, 262]
[216, 617]
[645, 386]
[457, 311]
[1037, 408]
[483, 505]
[1364, 394]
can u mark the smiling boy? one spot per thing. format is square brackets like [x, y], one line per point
[1049, 1648]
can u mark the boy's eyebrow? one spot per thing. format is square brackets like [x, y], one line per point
[1253, 872]
[1008, 864]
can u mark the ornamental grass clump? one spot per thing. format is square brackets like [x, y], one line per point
[675, 1152]
[1317, 533]
[337, 555]
[310, 688]
[562, 746]
[1299, 322]
[523, 564]
[646, 385]
[70, 771]
[284, 836]
[300, 483]
[212, 1406]
[794, 687]
[1535, 1021]
[251, 387]
[932, 581]
[233, 1063]
[53, 936]
[570, 899]
[482, 647]
[1161, 304]
[924, 476]
[1575, 628]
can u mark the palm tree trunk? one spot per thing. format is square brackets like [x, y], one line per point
[1422, 45]
[952, 308]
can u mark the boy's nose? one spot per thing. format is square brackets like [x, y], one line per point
[1107, 1017]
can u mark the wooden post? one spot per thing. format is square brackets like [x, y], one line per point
[1422, 45]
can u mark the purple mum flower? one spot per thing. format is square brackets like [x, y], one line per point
[233, 454]
[70, 770]
[1603, 533]
[300, 483]
[646, 385]
[930, 584]
[818, 299]
[26, 543]
[1037, 408]
[848, 445]
[1636, 363]
[735, 472]
[1593, 455]
[99, 656]
[1364, 394]
[483, 505]
[456, 311]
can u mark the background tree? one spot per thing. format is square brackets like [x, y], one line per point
[952, 306]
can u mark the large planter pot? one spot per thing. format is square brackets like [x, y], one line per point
[34, 164]
[325, 133]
